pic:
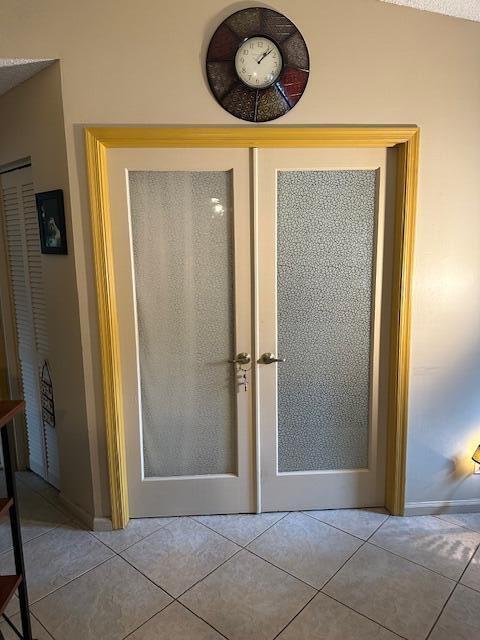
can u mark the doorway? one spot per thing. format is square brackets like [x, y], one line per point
[198, 238]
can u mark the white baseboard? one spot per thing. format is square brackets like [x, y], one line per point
[102, 524]
[436, 507]
[92, 523]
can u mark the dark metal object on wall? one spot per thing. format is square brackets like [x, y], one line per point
[278, 47]
[46, 389]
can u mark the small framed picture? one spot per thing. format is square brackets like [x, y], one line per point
[51, 220]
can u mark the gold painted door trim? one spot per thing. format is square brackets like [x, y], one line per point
[405, 139]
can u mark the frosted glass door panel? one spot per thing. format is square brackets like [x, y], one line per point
[181, 225]
[325, 252]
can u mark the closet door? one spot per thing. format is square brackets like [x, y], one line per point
[25, 266]
[323, 318]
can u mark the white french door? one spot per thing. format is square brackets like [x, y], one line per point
[320, 260]
[275, 253]
[181, 237]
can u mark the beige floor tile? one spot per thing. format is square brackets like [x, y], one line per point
[359, 522]
[37, 516]
[56, 558]
[175, 623]
[38, 632]
[396, 593]
[436, 544]
[36, 483]
[326, 619]
[247, 598]
[180, 554]
[241, 528]
[136, 530]
[460, 619]
[469, 520]
[471, 577]
[308, 549]
[106, 603]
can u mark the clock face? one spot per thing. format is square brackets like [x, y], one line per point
[258, 62]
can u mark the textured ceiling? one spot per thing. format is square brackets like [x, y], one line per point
[13, 71]
[469, 9]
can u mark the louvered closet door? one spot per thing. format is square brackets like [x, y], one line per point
[25, 264]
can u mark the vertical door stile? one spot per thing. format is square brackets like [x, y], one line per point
[255, 330]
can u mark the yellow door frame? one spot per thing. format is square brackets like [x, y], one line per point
[405, 139]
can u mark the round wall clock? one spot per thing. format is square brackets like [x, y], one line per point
[257, 64]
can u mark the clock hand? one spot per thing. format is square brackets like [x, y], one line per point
[264, 55]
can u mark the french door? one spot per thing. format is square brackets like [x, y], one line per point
[250, 292]
[323, 280]
[181, 237]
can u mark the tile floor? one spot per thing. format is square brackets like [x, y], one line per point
[321, 575]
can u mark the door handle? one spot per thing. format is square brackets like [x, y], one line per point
[269, 358]
[241, 358]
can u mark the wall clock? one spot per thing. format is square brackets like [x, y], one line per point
[257, 64]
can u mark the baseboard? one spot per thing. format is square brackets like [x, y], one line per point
[92, 523]
[102, 524]
[436, 507]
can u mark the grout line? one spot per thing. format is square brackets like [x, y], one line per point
[469, 563]
[455, 524]
[176, 598]
[147, 620]
[379, 527]
[363, 615]
[343, 564]
[307, 584]
[441, 611]
[32, 603]
[94, 534]
[32, 615]
[465, 586]
[343, 530]
[147, 577]
[331, 525]
[268, 528]
[202, 619]
[222, 535]
[152, 533]
[234, 541]
[25, 542]
[209, 573]
[296, 615]
[422, 566]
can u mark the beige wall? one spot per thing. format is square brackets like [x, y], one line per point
[142, 62]
[31, 124]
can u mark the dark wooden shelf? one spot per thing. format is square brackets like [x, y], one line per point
[8, 586]
[5, 504]
[9, 409]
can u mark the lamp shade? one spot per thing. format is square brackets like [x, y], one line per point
[476, 455]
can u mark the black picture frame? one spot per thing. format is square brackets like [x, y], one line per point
[51, 222]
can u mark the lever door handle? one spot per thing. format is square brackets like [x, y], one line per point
[269, 358]
[241, 358]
